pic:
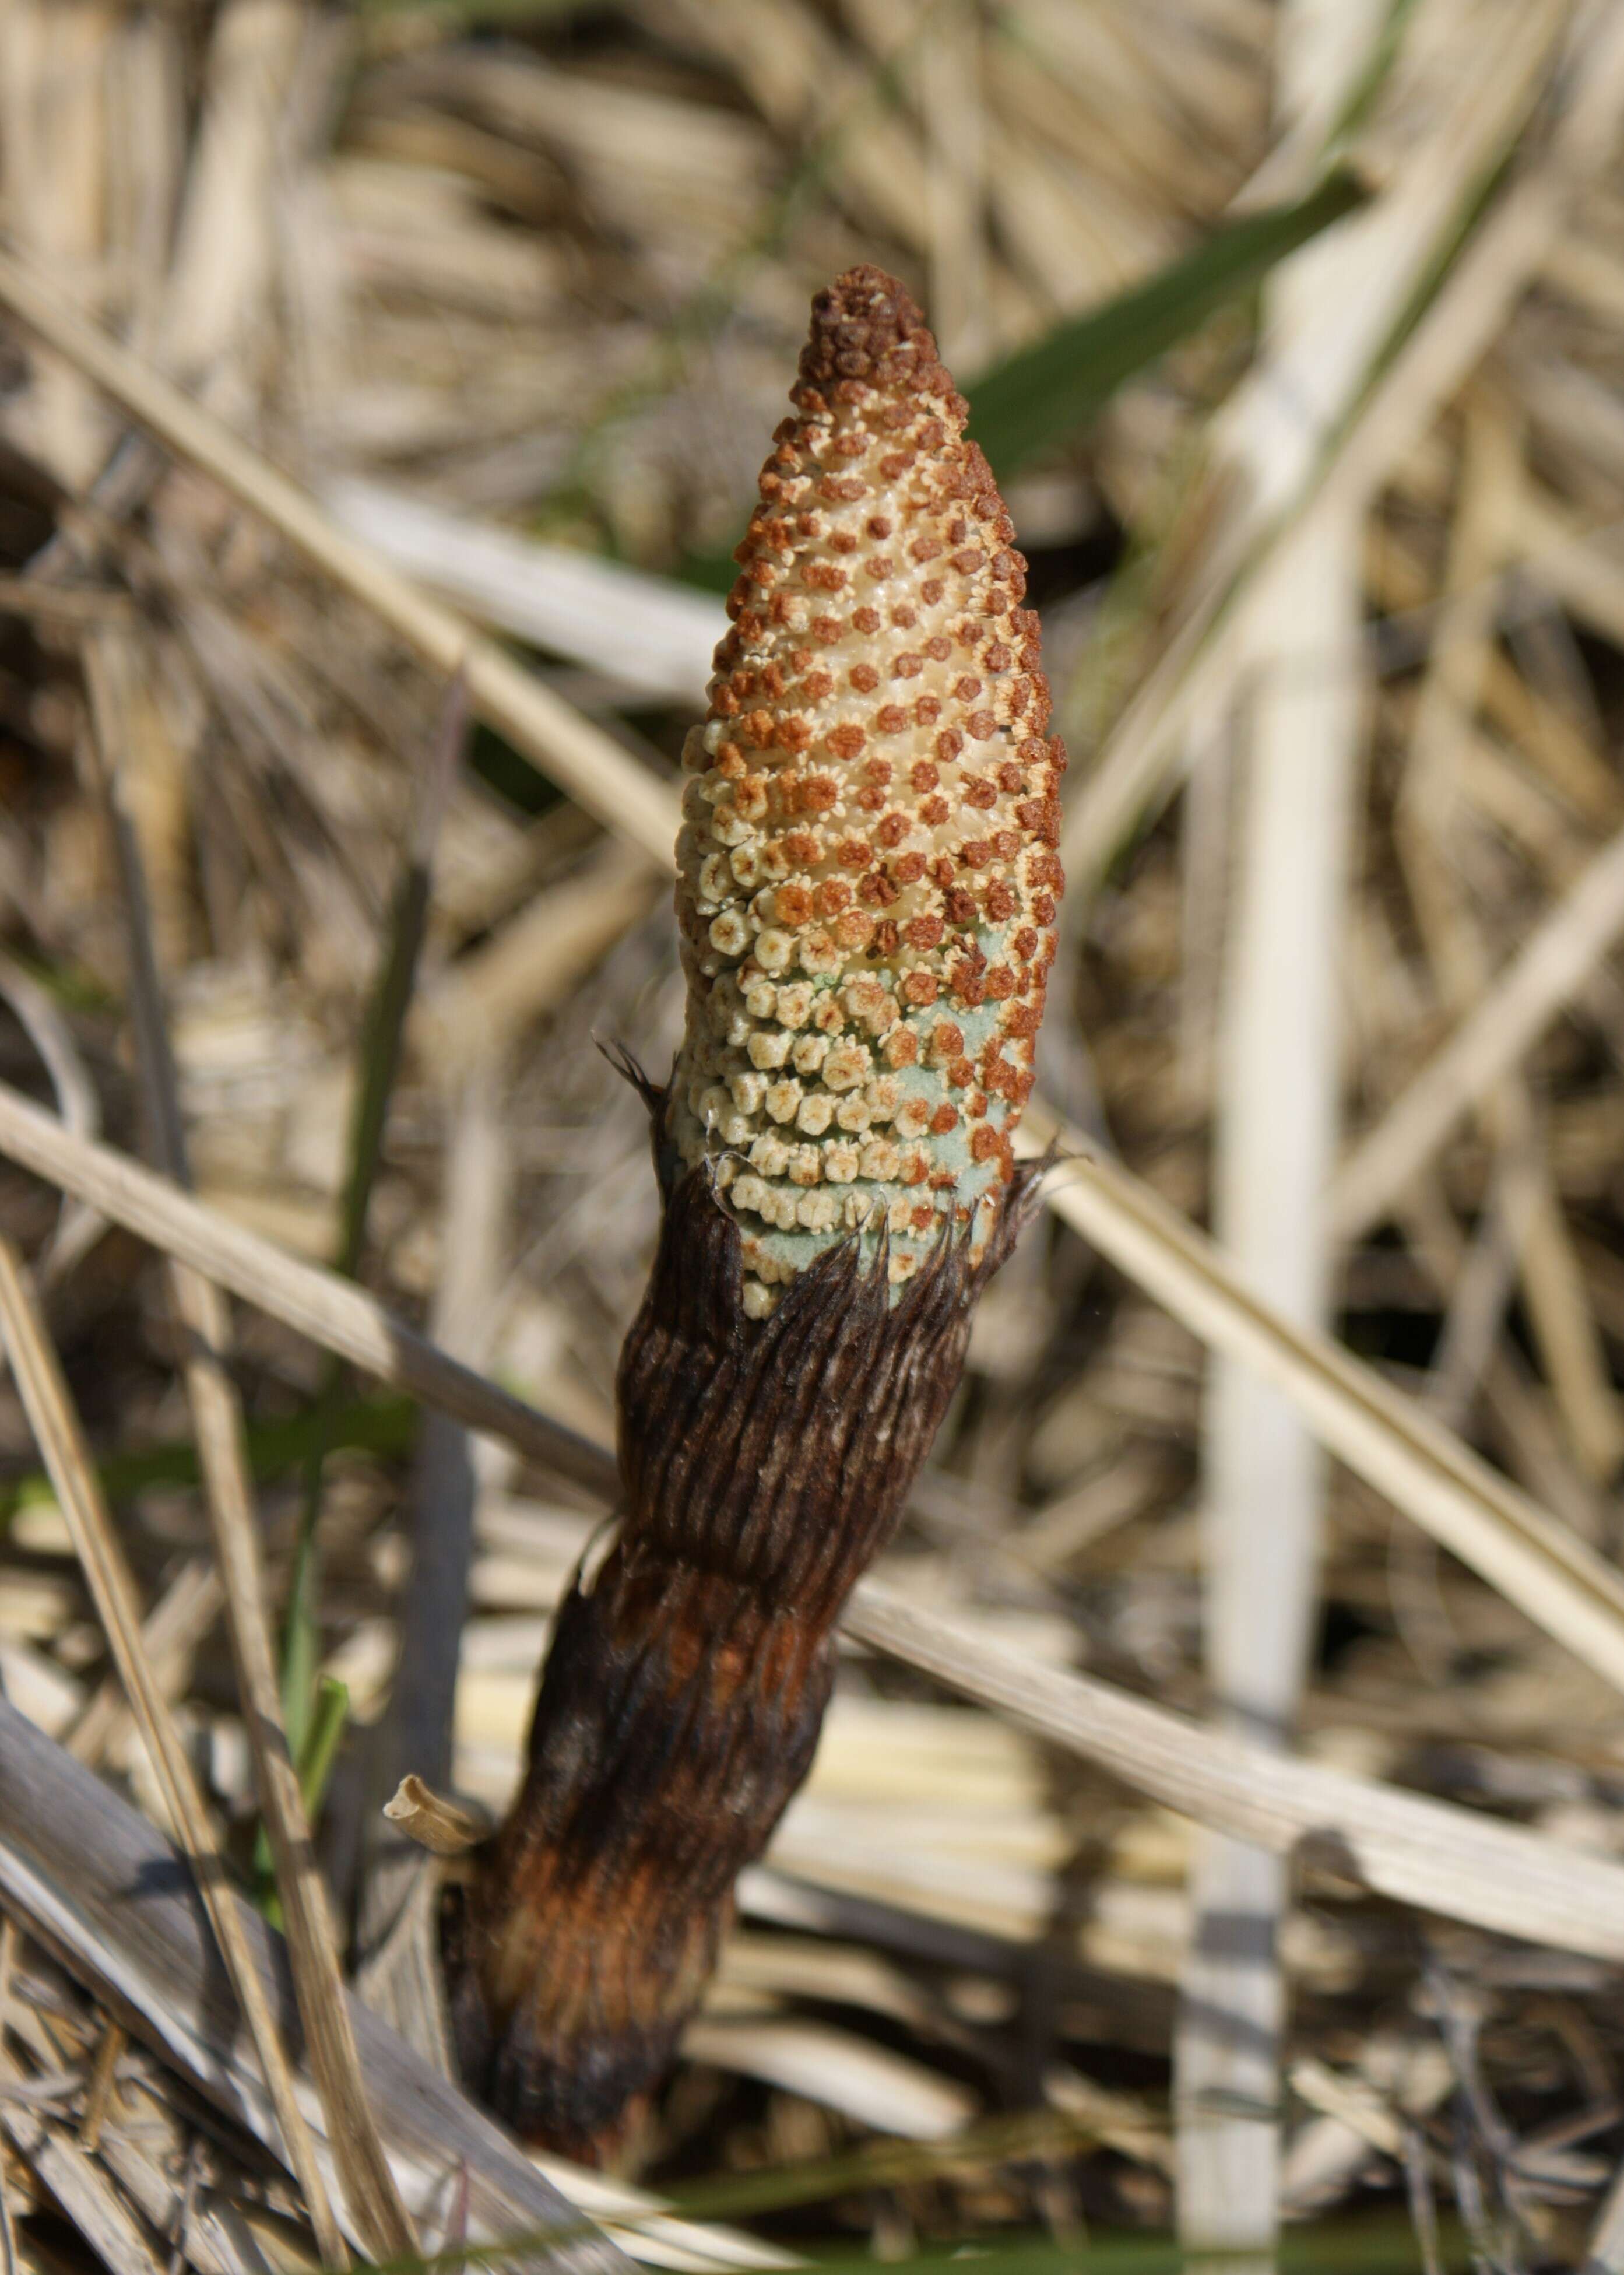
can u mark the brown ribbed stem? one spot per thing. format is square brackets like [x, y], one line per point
[765, 1462]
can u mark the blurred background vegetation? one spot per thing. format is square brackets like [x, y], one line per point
[1294, 330]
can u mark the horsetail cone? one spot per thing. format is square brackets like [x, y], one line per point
[866, 898]
[867, 876]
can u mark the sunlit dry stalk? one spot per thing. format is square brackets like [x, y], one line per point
[866, 895]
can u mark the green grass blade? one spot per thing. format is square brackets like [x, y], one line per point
[386, 1424]
[1044, 394]
[448, 17]
[1366, 91]
[382, 1040]
[326, 1726]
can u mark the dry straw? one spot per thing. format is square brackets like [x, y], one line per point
[1560, 1582]
[579, 756]
[1576, 1896]
[67, 1458]
[1389, 1440]
[70, 1853]
[112, 668]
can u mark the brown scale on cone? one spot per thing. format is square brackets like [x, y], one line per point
[866, 896]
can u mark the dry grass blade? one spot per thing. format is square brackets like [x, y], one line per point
[1561, 1584]
[333, 1313]
[75, 605]
[160, 2178]
[1278, 1080]
[639, 2223]
[8, 2225]
[1413, 234]
[217, 1419]
[646, 633]
[61, 1441]
[1386, 1437]
[1446, 1860]
[96, 1884]
[77, 1228]
[415, 1738]
[1605, 2256]
[223, 247]
[176, 1623]
[1418, 1851]
[1503, 258]
[1543, 975]
[77, 2182]
[538, 958]
[1459, 958]
[1452, 1861]
[578, 756]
